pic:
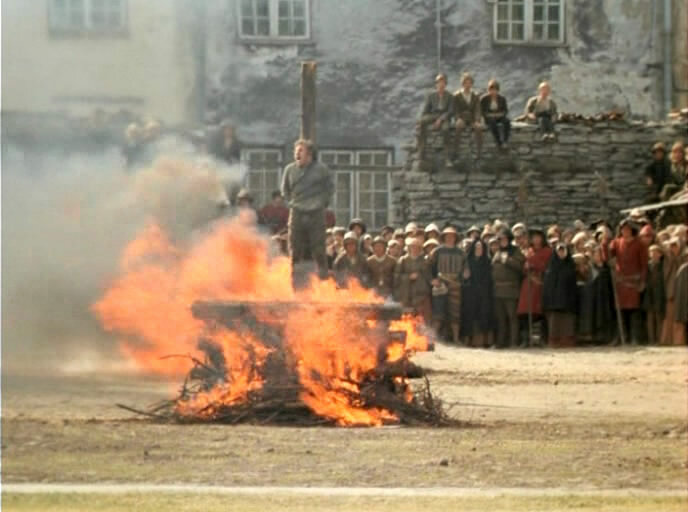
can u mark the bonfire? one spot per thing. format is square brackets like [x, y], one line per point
[221, 313]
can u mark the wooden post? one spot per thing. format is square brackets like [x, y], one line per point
[308, 69]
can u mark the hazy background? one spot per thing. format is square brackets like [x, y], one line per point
[65, 221]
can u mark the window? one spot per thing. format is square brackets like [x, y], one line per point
[264, 173]
[373, 197]
[87, 15]
[274, 19]
[529, 21]
[360, 189]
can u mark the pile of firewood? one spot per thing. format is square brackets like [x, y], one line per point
[278, 401]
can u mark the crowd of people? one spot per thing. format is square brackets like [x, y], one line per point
[505, 286]
[498, 285]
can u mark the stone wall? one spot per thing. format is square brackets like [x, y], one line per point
[376, 60]
[591, 171]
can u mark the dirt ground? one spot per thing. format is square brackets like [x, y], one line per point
[539, 419]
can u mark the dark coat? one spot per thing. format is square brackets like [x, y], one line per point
[478, 296]
[596, 318]
[486, 109]
[654, 298]
[560, 292]
[660, 172]
[469, 111]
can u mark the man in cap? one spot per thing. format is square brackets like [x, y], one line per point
[657, 173]
[387, 232]
[400, 237]
[507, 271]
[488, 234]
[307, 187]
[468, 113]
[412, 280]
[448, 268]
[394, 249]
[357, 226]
[381, 268]
[432, 231]
[429, 247]
[336, 245]
[473, 233]
[350, 263]
[411, 229]
[438, 109]
[630, 267]
[520, 235]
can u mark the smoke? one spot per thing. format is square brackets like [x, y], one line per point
[65, 222]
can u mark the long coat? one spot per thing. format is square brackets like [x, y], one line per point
[560, 291]
[631, 270]
[537, 262]
[345, 269]
[412, 292]
[381, 274]
[596, 304]
[654, 298]
[507, 275]
[479, 314]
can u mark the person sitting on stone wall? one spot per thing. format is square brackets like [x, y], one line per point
[438, 110]
[542, 110]
[657, 173]
[678, 171]
[494, 110]
[467, 112]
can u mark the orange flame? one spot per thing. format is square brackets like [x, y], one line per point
[149, 304]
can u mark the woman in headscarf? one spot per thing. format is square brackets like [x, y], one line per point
[596, 318]
[479, 315]
[559, 298]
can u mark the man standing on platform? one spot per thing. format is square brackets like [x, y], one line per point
[307, 188]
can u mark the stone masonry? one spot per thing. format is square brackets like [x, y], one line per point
[594, 170]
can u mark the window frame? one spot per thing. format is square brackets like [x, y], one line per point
[87, 27]
[354, 169]
[245, 159]
[528, 24]
[274, 36]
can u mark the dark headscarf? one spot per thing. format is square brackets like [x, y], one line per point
[560, 291]
[479, 298]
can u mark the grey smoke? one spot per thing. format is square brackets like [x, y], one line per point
[65, 221]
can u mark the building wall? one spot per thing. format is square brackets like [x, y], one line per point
[148, 70]
[680, 53]
[592, 171]
[377, 59]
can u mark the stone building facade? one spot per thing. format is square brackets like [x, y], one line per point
[377, 59]
[594, 170]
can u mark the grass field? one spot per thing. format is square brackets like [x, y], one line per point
[561, 420]
[220, 503]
